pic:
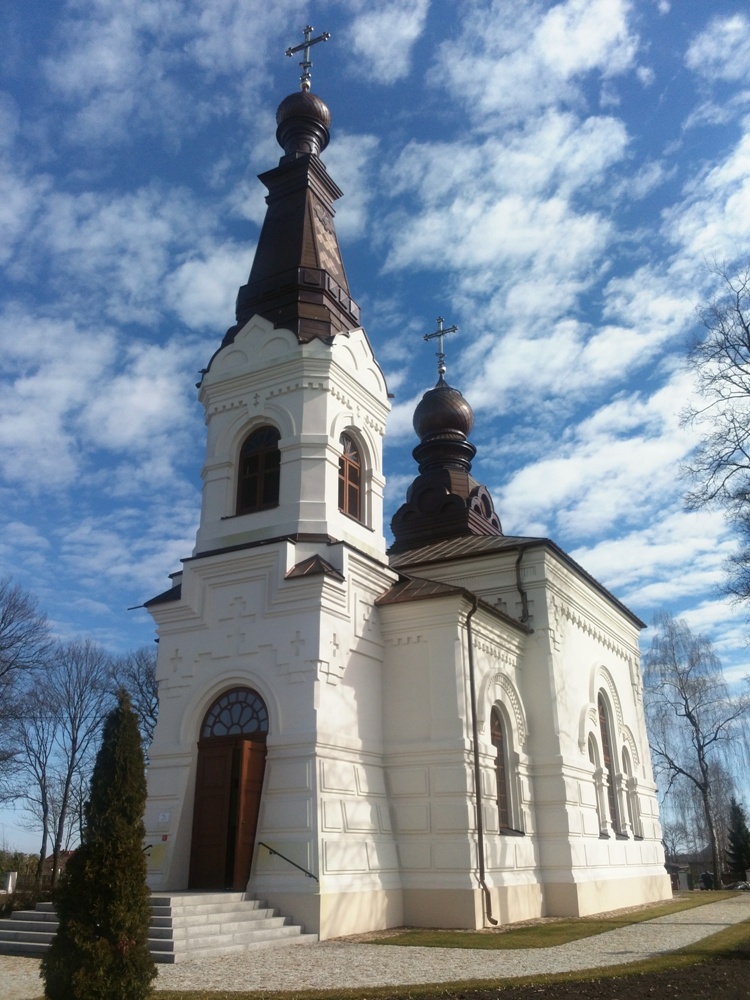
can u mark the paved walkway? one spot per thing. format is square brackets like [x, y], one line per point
[347, 964]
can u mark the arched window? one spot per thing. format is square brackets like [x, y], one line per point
[239, 712]
[631, 796]
[350, 478]
[498, 735]
[598, 785]
[609, 764]
[258, 478]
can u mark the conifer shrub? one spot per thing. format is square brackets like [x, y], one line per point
[100, 951]
[738, 840]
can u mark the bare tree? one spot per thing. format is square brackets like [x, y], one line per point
[79, 685]
[136, 673]
[24, 646]
[719, 470]
[693, 721]
[720, 362]
[34, 731]
[674, 837]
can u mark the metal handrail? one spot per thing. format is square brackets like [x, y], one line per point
[272, 850]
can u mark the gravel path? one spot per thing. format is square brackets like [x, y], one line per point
[351, 964]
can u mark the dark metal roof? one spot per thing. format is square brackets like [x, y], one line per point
[296, 537]
[454, 549]
[173, 594]
[314, 566]
[459, 548]
[416, 589]
[410, 589]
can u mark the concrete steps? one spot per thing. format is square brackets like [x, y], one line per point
[184, 926]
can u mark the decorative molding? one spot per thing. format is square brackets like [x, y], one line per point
[234, 404]
[496, 652]
[589, 721]
[577, 618]
[627, 737]
[404, 640]
[299, 386]
[512, 701]
[611, 691]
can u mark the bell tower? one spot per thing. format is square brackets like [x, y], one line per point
[270, 652]
[295, 374]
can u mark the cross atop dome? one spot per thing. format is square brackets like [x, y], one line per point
[440, 333]
[304, 47]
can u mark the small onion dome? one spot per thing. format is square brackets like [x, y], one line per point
[443, 412]
[303, 121]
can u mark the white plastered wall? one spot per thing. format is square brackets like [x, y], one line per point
[311, 393]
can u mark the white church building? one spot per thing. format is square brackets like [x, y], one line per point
[446, 733]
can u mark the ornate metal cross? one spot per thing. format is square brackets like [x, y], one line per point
[440, 333]
[306, 64]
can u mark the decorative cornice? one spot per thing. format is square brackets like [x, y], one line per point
[581, 621]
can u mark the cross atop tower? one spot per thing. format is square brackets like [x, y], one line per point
[306, 63]
[440, 333]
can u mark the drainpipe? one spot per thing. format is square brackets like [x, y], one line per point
[477, 774]
[521, 591]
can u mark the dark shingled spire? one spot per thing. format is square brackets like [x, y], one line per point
[444, 501]
[298, 280]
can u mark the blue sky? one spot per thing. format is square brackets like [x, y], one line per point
[554, 178]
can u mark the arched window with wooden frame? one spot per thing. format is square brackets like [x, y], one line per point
[605, 732]
[350, 478]
[598, 785]
[259, 471]
[499, 742]
[631, 796]
[508, 814]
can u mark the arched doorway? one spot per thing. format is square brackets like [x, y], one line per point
[228, 783]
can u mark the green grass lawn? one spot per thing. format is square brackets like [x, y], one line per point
[545, 935]
[733, 942]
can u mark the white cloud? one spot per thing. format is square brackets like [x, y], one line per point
[646, 75]
[120, 65]
[676, 556]
[713, 219]
[48, 366]
[90, 392]
[202, 290]
[109, 253]
[140, 404]
[20, 200]
[609, 470]
[383, 36]
[513, 58]
[722, 50]
[130, 551]
[350, 161]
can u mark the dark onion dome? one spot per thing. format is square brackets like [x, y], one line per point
[303, 121]
[444, 501]
[443, 412]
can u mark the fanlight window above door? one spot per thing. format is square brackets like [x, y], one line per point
[239, 712]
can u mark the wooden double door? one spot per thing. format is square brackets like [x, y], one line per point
[228, 784]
